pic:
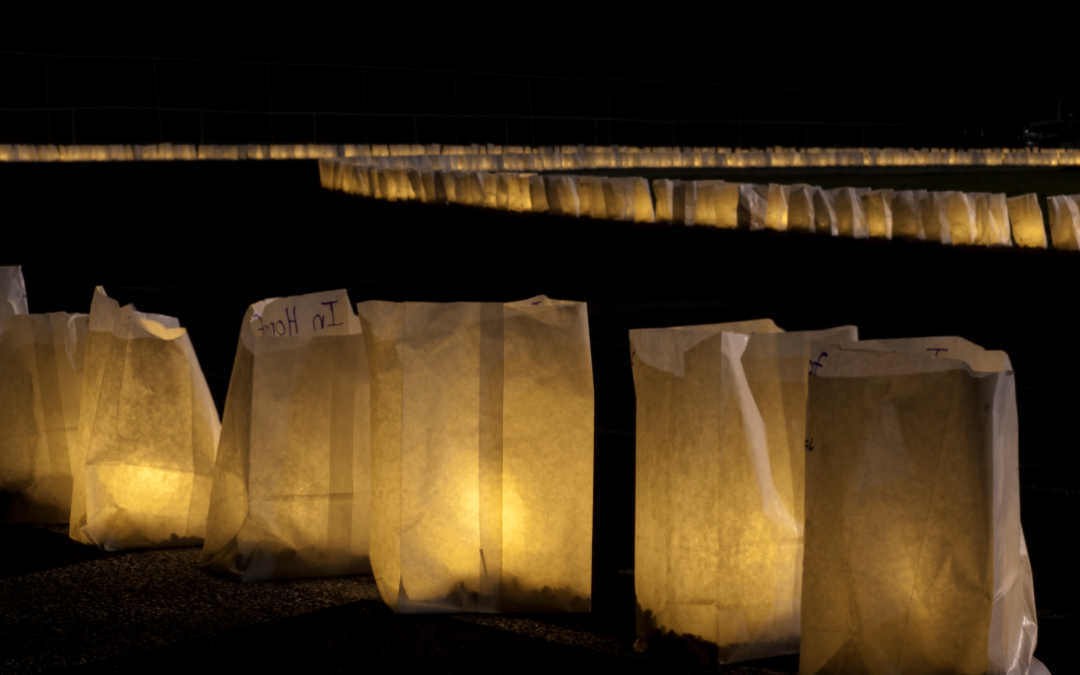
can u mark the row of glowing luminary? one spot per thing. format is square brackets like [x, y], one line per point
[524, 158]
[957, 218]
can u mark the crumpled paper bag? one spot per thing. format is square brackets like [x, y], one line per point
[915, 559]
[719, 509]
[292, 482]
[1064, 223]
[41, 362]
[148, 433]
[1026, 217]
[481, 455]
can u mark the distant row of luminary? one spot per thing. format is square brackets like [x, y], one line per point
[978, 219]
[448, 449]
[574, 157]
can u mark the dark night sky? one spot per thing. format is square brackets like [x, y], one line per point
[938, 79]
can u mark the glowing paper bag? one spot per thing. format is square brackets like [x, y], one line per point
[915, 559]
[825, 213]
[720, 452]
[752, 206]
[776, 213]
[877, 206]
[684, 202]
[41, 359]
[934, 217]
[850, 219]
[148, 431]
[801, 216]
[1064, 223]
[481, 455]
[960, 210]
[907, 216]
[292, 481]
[1026, 217]
[992, 220]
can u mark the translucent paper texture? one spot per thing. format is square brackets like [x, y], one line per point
[481, 455]
[147, 434]
[12, 292]
[719, 510]
[41, 363]
[292, 484]
[915, 559]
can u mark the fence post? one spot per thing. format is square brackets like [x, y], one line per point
[48, 107]
[532, 129]
[157, 101]
[269, 105]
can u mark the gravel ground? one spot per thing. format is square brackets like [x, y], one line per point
[142, 609]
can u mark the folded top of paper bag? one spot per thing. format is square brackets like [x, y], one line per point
[107, 316]
[12, 292]
[948, 350]
[311, 315]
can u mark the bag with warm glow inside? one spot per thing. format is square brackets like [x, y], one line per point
[41, 359]
[292, 482]
[719, 508]
[481, 455]
[147, 435]
[915, 559]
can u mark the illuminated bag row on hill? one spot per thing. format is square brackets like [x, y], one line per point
[492, 157]
[796, 491]
[979, 219]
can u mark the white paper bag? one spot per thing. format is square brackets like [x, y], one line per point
[752, 206]
[960, 210]
[935, 219]
[801, 216]
[1064, 223]
[850, 219]
[776, 214]
[562, 195]
[292, 482]
[41, 362]
[663, 192]
[481, 455]
[991, 220]
[719, 516]
[915, 559]
[148, 432]
[684, 202]
[825, 213]
[877, 206]
[1026, 217]
[907, 215]
[643, 203]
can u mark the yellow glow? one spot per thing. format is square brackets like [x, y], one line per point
[720, 456]
[147, 433]
[481, 428]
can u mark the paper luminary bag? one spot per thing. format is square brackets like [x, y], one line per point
[906, 215]
[915, 559]
[481, 455]
[148, 431]
[1026, 217]
[1064, 223]
[41, 359]
[292, 482]
[720, 452]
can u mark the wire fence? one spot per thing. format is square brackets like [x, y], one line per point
[49, 98]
